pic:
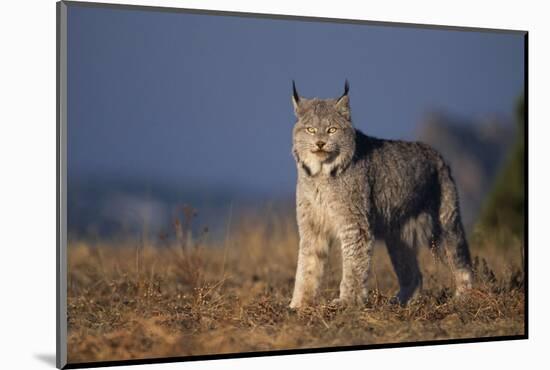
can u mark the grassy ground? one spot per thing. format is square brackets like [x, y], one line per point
[127, 300]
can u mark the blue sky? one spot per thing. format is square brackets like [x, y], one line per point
[206, 99]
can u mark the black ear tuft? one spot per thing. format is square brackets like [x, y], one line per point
[346, 90]
[295, 93]
[346, 87]
[342, 104]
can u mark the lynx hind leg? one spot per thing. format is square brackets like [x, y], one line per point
[456, 249]
[403, 248]
[403, 257]
[453, 238]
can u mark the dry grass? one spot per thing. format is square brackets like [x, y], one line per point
[131, 301]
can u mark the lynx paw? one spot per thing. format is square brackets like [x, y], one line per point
[338, 302]
[463, 282]
[346, 302]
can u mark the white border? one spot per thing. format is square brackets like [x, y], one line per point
[28, 186]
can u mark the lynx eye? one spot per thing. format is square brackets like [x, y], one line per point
[311, 130]
[332, 130]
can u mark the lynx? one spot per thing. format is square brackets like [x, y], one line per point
[353, 189]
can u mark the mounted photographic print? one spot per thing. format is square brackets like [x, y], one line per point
[234, 184]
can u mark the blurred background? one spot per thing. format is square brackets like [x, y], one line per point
[179, 118]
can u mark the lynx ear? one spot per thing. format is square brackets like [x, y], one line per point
[342, 104]
[295, 98]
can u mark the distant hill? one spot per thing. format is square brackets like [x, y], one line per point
[110, 205]
[475, 151]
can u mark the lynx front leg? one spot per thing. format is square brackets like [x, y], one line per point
[311, 265]
[312, 258]
[357, 245]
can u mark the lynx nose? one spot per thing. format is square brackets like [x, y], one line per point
[320, 144]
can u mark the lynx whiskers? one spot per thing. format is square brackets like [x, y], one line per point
[353, 188]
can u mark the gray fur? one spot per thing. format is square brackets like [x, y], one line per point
[358, 188]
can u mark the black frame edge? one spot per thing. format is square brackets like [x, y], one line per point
[526, 180]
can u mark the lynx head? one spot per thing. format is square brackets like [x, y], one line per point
[323, 136]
